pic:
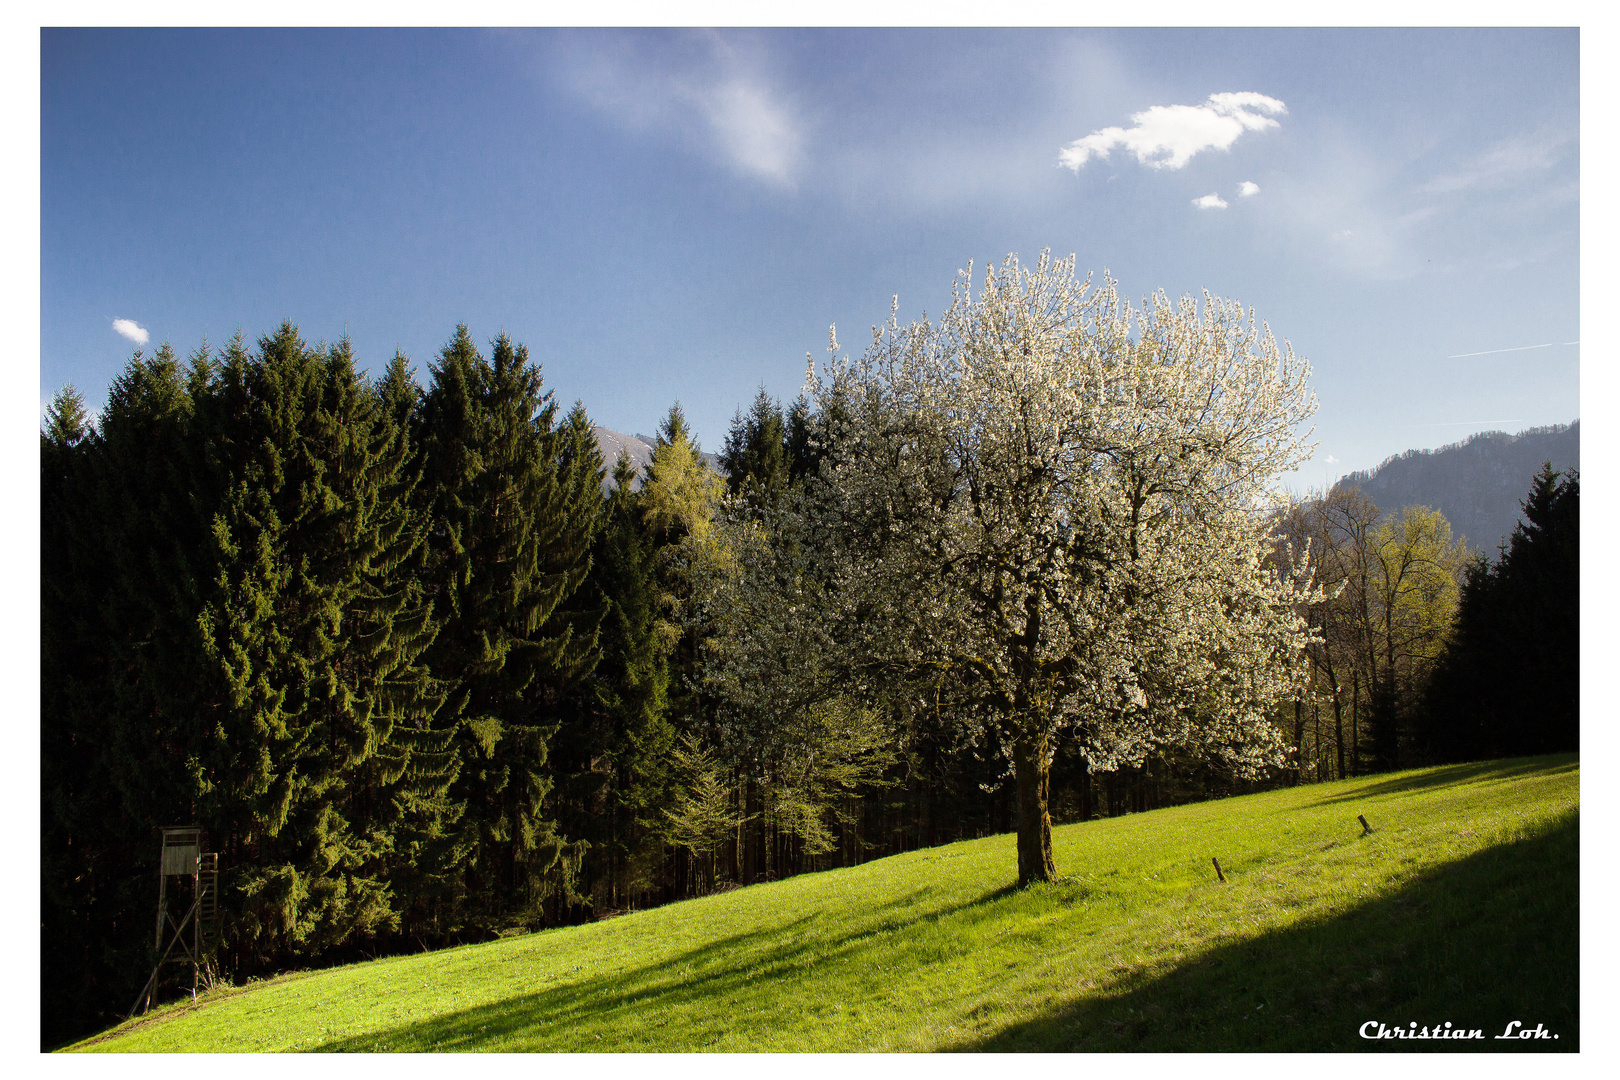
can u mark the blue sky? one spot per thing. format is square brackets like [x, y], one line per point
[681, 215]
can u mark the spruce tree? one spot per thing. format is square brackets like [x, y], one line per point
[677, 501]
[617, 749]
[755, 453]
[1509, 681]
[509, 547]
[803, 438]
[119, 678]
[427, 847]
[81, 861]
[318, 750]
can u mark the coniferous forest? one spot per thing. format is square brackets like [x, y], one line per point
[428, 670]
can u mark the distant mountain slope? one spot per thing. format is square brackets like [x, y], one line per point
[1477, 484]
[640, 449]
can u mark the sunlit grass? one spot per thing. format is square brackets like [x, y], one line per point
[1461, 906]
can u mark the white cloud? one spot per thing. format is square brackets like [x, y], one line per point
[753, 128]
[1247, 188]
[1211, 201]
[133, 330]
[701, 88]
[1167, 136]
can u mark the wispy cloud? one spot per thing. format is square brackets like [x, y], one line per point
[1247, 188]
[1211, 201]
[703, 88]
[1346, 207]
[1167, 136]
[753, 127]
[1507, 163]
[132, 330]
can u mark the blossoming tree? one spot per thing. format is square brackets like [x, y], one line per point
[1047, 512]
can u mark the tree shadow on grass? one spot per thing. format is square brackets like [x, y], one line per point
[729, 969]
[1496, 771]
[1478, 943]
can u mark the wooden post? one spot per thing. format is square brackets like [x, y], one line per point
[163, 888]
[1218, 873]
[1365, 828]
[196, 926]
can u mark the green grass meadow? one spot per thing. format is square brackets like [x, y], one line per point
[1462, 906]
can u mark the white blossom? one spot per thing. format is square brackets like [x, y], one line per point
[1055, 502]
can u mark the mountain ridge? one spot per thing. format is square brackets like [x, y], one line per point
[1477, 483]
[640, 449]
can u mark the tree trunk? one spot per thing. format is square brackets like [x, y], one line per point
[1355, 721]
[1338, 711]
[1338, 726]
[1318, 759]
[1299, 742]
[1033, 772]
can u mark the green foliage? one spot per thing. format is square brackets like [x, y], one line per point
[677, 502]
[66, 421]
[331, 621]
[320, 753]
[515, 509]
[755, 456]
[784, 714]
[703, 816]
[1389, 588]
[804, 440]
[680, 492]
[237, 576]
[1413, 583]
[614, 755]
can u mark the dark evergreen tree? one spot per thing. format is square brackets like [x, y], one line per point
[84, 960]
[409, 810]
[617, 752]
[803, 436]
[510, 546]
[1509, 683]
[319, 753]
[755, 453]
[145, 704]
[66, 421]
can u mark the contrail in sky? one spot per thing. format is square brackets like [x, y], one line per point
[1521, 348]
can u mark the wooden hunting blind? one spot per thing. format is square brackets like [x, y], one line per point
[181, 847]
[182, 857]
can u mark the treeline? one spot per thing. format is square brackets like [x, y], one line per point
[1427, 652]
[421, 675]
[334, 621]
[428, 670]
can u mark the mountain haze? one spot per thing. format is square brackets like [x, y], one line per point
[1477, 484]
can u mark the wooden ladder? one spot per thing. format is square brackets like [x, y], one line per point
[208, 893]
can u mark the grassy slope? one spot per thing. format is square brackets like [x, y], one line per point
[1460, 907]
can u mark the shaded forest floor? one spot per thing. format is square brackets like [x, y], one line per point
[1462, 906]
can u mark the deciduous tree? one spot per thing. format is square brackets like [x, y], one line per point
[1049, 506]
